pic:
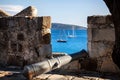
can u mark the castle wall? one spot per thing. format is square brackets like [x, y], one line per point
[24, 40]
[101, 39]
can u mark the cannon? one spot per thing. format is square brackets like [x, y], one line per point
[36, 69]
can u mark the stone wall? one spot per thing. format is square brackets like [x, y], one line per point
[29, 11]
[3, 13]
[24, 39]
[101, 40]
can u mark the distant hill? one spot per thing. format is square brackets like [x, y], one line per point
[58, 26]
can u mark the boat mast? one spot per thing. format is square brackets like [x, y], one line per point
[73, 31]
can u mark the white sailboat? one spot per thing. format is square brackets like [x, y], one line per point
[62, 37]
[73, 33]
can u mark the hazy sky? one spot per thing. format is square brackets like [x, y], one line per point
[61, 11]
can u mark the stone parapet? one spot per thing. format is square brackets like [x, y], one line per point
[24, 40]
[3, 13]
[103, 34]
[101, 39]
[29, 11]
[98, 19]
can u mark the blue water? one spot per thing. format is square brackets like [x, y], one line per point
[72, 45]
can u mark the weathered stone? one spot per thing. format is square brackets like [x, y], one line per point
[42, 49]
[27, 38]
[97, 49]
[99, 19]
[45, 22]
[109, 66]
[20, 36]
[89, 64]
[42, 77]
[70, 67]
[100, 26]
[101, 34]
[101, 39]
[29, 11]
[90, 34]
[57, 77]
[3, 24]
[46, 36]
[79, 78]
[3, 52]
[3, 13]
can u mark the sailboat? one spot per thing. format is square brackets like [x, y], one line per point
[73, 33]
[62, 37]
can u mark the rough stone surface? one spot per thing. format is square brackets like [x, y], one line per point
[98, 19]
[57, 77]
[108, 66]
[29, 11]
[74, 66]
[24, 40]
[101, 39]
[101, 48]
[103, 34]
[17, 75]
[88, 64]
[3, 13]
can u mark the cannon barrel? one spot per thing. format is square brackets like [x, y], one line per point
[36, 69]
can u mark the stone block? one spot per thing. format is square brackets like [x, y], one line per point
[3, 51]
[109, 66]
[97, 34]
[44, 50]
[46, 36]
[90, 34]
[99, 19]
[3, 45]
[3, 13]
[74, 66]
[57, 77]
[98, 49]
[3, 25]
[101, 40]
[45, 22]
[89, 64]
[20, 36]
[27, 38]
[29, 11]
[101, 26]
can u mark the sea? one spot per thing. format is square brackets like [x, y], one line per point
[73, 44]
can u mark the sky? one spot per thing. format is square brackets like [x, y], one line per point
[61, 11]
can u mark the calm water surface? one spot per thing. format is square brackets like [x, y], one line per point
[72, 45]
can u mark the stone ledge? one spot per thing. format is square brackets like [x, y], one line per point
[101, 26]
[99, 19]
[29, 11]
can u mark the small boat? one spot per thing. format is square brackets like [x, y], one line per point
[60, 40]
[73, 33]
[62, 37]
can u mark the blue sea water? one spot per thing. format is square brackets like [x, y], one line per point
[72, 45]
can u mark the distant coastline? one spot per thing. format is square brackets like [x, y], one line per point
[58, 26]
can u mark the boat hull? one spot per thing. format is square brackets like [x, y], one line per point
[63, 41]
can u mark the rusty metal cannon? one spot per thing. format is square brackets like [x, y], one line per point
[36, 69]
